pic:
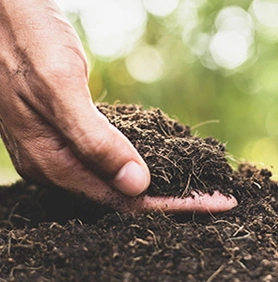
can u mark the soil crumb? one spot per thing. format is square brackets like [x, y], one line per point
[80, 240]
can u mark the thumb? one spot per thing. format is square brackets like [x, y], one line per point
[99, 145]
[107, 152]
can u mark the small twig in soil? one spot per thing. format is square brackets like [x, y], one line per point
[216, 273]
[21, 217]
[154, 254]
[22, 267]
[57, 225]
[204, 123]
[240, 237]
[9, 244]
[242, 265]
[185, 192]
[154, 237]
[239, 230]
[120, 218]
[202, 256]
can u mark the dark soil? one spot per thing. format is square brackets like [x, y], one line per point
[79, 240]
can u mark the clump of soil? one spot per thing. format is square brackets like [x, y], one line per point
[178, 161]
[79, 240]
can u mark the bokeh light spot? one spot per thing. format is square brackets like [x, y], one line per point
[112, 26]
[265, 12]
[235, 18]
[229, 49]
[161, 8]
[231, 45]
[145, 64]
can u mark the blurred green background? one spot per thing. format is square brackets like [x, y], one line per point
[210, 64]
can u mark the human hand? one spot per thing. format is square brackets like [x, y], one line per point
[49, 123]
[50, 126]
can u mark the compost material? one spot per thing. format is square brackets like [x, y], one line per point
[49, 234]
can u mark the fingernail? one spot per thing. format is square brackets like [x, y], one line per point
[132, 179]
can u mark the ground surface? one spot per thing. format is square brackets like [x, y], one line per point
[42, 240]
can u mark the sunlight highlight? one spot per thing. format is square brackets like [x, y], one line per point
[265, 12]
[230, 46]
[112, 27]
[229, 49]
[145, 64]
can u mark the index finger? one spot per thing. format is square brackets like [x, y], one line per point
[200, 203]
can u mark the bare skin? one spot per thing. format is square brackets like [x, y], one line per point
[52, 129]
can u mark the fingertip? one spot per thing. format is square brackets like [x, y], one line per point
[221, 203]
[132, 179]
[232, 201]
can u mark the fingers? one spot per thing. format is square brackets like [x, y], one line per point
[200, 203]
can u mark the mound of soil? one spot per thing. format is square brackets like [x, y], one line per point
[178, 162]
[80, 240]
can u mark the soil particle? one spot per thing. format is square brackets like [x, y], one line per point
[80, 240]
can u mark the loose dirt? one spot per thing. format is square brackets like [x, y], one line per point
[48, 234]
